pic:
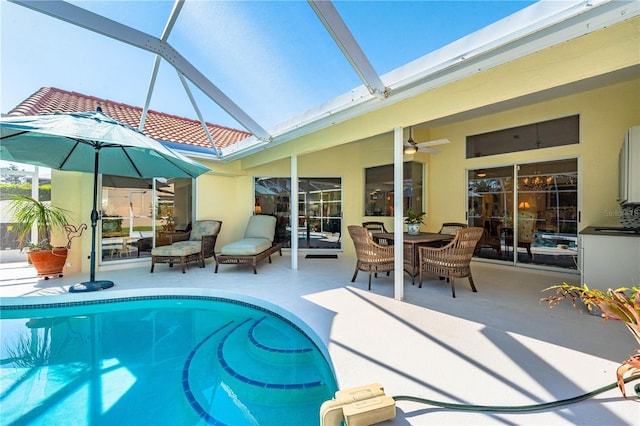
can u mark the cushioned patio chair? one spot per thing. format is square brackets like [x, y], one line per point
[256, 245]
[371, 256]
[526, 232]
[145, 244]
[453, 260]
[197, 245]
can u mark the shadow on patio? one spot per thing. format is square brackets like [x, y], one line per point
[500, 346]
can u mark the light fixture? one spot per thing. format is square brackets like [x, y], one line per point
[412, 148]
[409, 150]
[524, 205]
[481, 173]
[537, 182]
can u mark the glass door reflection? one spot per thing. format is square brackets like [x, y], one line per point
[543, 229]
[490, 204]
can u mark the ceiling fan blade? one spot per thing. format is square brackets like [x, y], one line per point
[425, 150]
[433, 143]
[429, 151]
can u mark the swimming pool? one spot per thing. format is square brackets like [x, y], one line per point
[159, 360]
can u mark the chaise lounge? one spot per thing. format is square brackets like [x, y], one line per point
[197, 245]
[257, 244]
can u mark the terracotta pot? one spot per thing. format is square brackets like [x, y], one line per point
[48, 262]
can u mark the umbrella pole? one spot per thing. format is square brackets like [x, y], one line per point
[94, 217]
[92, 284]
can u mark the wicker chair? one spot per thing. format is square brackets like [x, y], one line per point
[196, 245]
[377, 228]
[453, 260]
[450, 228]
[371, 257]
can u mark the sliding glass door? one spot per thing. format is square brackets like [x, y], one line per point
[137, 217]
[532, 222]
[319, 210]
[19, 179]
[490, 206]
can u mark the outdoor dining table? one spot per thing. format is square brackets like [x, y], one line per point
[411, 244]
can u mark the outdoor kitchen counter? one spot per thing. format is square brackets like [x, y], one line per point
[610, 256]
[612, 231]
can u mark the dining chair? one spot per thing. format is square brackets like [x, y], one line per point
[450, 228]
[452, 260]
[526, 232]
[371, 256]
[377, 228]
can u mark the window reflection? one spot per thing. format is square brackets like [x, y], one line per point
[543, 229]
[19, 179]
[380, 194]
[319, 210]
[545, 134]
[136, 217]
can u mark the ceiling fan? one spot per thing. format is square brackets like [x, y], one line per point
[411, 147]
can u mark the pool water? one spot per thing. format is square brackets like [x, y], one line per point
[161, 361]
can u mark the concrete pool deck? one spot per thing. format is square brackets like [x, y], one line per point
[500, 346]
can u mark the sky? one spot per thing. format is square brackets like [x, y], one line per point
[272, 58]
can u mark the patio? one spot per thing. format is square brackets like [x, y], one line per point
[500, 346]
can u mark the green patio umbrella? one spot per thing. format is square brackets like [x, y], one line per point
[95, 143]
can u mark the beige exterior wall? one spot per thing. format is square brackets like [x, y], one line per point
[605, 114]
[346, 162]
[510, 95]
[73, 191]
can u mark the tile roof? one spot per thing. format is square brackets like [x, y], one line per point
[158, 125]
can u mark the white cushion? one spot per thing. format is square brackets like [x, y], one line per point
[261, 226]
[176, 250]
[246, 247]
[196, 245]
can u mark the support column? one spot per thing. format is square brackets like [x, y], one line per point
[293, 202]
[398, 227]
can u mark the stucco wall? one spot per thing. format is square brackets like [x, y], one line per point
[73, 191]
[605, 114]
[516, 88]
[227, 192]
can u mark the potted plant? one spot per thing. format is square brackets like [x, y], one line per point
[413, 221]
[621, 304]
[29, 212]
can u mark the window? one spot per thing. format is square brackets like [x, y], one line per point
[22, 179]
[558, 132]
[133, 214]
[379, 193]
[319, 209]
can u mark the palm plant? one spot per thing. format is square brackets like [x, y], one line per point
[29, 212]
[621, 304]
[413, 217]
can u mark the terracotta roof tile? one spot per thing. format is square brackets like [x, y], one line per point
[158, 125]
